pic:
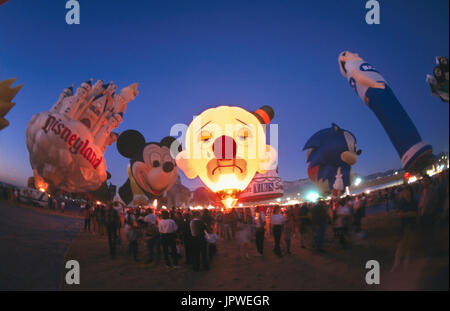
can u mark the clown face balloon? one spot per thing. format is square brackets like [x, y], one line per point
[225, 148]
[67, 143]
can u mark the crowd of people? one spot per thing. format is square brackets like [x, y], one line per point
[9, 193]
[191, 236]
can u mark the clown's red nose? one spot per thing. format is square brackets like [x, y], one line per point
[224, 148]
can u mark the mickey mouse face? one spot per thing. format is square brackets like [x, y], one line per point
[152, 164]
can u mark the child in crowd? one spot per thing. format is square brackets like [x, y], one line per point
[211, 239]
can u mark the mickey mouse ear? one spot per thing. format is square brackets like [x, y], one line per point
[171, 143]
[130, 143]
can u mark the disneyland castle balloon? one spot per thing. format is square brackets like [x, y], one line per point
[96, 106]
[67, 143]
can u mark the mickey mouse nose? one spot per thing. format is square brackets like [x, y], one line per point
[224, 147]
[168, 167]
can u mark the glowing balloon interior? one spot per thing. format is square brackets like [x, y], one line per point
[225, 147]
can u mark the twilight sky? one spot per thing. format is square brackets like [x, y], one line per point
[191, 55]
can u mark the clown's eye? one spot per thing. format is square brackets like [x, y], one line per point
[244, 135]
[156, 163]
[205, 136]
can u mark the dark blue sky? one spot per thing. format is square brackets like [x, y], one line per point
[191, 55]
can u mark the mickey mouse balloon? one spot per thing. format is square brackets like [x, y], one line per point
[152, 170]
[67, 143]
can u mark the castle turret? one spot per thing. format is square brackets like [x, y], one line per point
[71, 105]
[67, 92]
[103, 137]
[126, 95]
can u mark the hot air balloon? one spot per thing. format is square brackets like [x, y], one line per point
[331, 154]
[152, 170]
[373, 89]
[7, 94]
[438, 82]
[67, 143]
[225, 147]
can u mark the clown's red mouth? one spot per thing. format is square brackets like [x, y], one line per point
[230, 166]
[216, 167]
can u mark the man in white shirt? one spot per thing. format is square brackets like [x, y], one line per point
[168, 228]
[277, 221]
[151, 218]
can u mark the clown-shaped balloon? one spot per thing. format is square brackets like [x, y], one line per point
[225, 147]
[332, 152]
[373, 89]
[152, 170]
[7, 94]
[67, 143]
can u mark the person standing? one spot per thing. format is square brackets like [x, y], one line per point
[198, 242]
[319, 217]
[211, 238]
[359, 212]
[152, 237]
[167, 229]
[132, 235]
[303, 223]
[102, 220]
[227, 220]
[344, 216]
[276, 222]
[288, 229]
[219, 222]
[408, 211]
[87, 218]
[112, 222]
[260, 224]
[187, 237]
[94, 217]
[243, 228]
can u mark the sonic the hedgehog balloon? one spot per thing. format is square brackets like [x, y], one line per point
[332, 152]
[67, 143]
[7, 94]
[225, 147]
[376, 93]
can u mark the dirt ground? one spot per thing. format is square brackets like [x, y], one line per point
[32, 246]
[305, 269]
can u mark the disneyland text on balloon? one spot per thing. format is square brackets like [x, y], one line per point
[76, 143]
